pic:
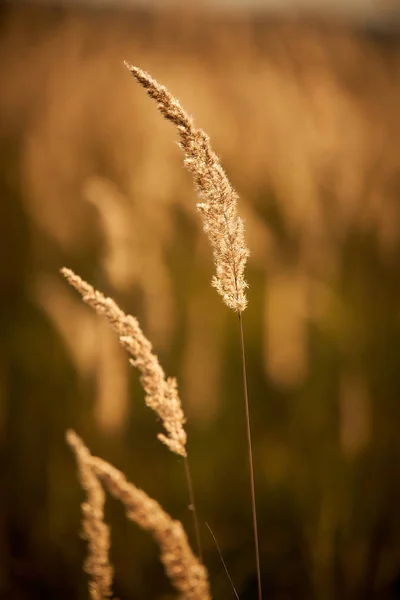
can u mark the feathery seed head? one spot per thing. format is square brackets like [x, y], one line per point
[184, 570]
[95, 531]
[161, 394]
[225, 229]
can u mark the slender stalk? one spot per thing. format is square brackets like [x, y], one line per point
[193, 508]
[223, 562]
[250, 451]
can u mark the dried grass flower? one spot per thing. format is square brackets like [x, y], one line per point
[162, 394]
[94, 529]
[183, 569]
[224, 227]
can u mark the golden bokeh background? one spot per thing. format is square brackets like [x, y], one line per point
[305, 116]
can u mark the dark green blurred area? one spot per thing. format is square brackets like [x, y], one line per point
[306, 119]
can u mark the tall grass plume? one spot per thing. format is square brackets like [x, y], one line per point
[94, 529]
[162, 394]
[224, 229]
[182, 567]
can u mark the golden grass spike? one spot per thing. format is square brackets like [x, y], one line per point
[161, 393]
[225, 229]
[184, 570]
[95, 531]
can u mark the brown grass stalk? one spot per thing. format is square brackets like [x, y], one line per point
[183, 569]
[161, 393]
[224, 228]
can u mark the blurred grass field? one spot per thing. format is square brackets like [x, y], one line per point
[305, 115]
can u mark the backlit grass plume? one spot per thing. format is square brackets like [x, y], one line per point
[94, 529]
[161, 393]
[183, 569]
[224, 228]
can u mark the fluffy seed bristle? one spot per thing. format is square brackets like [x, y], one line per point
[182, 567]
[225, 229]
[184, 570]
[161, 393]
[95, 531]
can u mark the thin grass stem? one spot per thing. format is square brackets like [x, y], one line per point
[193, 508]
[223, 562]
[250, 454]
